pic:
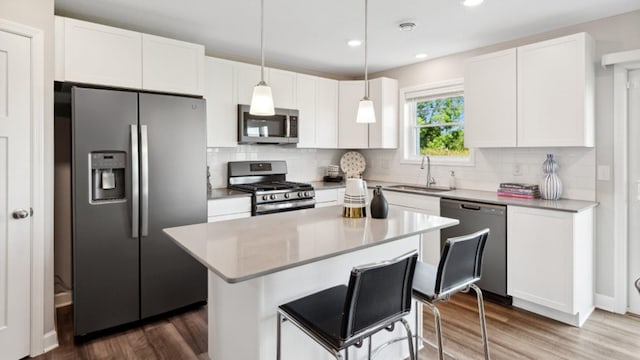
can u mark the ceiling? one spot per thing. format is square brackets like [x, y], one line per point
[312, 35]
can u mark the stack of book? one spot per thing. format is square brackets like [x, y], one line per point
[519, 190]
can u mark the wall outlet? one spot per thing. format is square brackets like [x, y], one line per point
[517, 169]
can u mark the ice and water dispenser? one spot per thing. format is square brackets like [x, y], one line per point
[107, 176]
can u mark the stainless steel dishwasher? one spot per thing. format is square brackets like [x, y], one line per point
[475, 216]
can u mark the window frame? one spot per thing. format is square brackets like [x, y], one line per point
[409, 139]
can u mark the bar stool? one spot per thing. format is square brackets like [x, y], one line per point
[378, 296]
[459, 268]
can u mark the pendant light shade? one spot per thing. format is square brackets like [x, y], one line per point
[262, 99]
[366, 112]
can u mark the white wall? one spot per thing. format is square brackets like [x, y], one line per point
[577, 166]
[39, 14]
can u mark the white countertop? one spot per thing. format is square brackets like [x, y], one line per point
[242, 249]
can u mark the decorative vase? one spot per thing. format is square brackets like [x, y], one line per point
[551, 186]
[379, 205]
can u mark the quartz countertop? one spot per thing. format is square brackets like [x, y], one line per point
[491, 197]
[243, 249]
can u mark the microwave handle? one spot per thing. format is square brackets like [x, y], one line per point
[288, 127]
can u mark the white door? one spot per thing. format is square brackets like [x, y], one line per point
[634, 191]
[15, 184]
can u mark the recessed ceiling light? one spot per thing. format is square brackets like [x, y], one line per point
[421, 56]
[407, 26]
[354, 43]
[471, 3]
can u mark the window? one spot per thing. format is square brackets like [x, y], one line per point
[434, 122]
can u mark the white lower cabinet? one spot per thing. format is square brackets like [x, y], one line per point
[327, 197]
[228, 208]
[550, 262]
[427, 204]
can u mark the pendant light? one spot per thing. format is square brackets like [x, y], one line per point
[262, 100]
[366, 113]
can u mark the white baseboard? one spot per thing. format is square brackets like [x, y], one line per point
[63, 299]
[576, 320]
[605, 302]
[50, 340]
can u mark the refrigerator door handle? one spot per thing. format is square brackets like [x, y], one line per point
[135, 183]
[144, 152]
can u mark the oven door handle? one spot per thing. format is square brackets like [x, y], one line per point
[284, 205]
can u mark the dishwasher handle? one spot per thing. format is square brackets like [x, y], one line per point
[470, 207]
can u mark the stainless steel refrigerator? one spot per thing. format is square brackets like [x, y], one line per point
[139, 165]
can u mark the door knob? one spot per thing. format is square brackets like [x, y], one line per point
[20, 214]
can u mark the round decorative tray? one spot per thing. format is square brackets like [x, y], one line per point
[352, 164]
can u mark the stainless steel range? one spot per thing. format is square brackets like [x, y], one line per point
[266, 180]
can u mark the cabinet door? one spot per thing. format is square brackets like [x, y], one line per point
[172, 66]
[555, 92]
[540, 257]
[351, 135]
[306, 94]
[247, 76]
[490, 100]
[222, 110]
[326, 113]
[283, 87]
[430, 205]
[383, 134]
[101, 55]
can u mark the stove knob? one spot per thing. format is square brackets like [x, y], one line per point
[287, 195]
[265, 197]
[306, 194]
[300, 194]
[273, 196]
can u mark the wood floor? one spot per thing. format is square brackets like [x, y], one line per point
[513, 334]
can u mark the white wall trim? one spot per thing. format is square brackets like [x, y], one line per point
[622, 63]
[605, 302]
[40, 239]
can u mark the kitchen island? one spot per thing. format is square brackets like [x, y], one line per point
[258, 263]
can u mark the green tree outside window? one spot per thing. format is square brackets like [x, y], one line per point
[440, 125]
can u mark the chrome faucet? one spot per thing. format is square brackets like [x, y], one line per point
[430, 180]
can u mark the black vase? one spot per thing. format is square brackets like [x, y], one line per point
[379, 205]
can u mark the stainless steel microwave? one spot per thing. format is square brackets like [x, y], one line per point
[281, 128]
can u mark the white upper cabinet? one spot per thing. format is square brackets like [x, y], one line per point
[172, 66]
[351, 135]
[222, 109]
[103, 55]
[317, 101]
[97, 54]
[537, 95]
[306, 93]
[326, 113]
[383, 134]
[283, 88]
[490, 100]
[384, 94]
[556, 92]
[247, 76]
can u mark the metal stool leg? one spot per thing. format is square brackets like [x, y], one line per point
[278, 334]
[483, 322]
[416, 347]
[369, 352]
[438, 324]
[412, 354]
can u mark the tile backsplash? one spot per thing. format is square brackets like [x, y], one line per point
[302, 164]
[577, 166]
[577, 169]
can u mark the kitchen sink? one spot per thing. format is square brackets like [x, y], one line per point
[417, 189]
